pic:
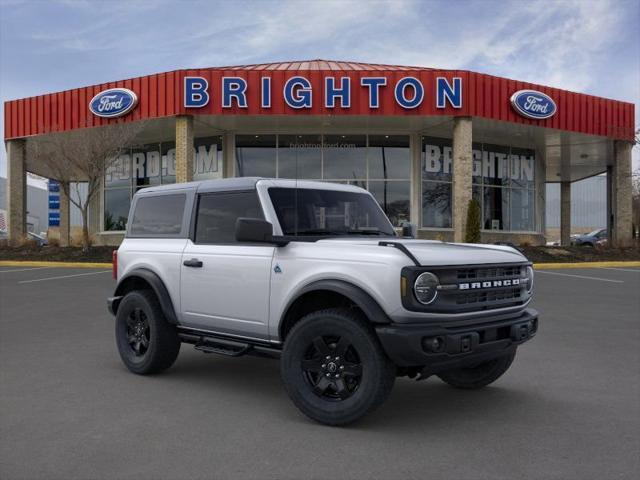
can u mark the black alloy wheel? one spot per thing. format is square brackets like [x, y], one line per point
[332, 367]
[147, 343]
[138, 334]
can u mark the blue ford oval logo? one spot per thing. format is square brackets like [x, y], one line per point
[533, 104]
[114, 102]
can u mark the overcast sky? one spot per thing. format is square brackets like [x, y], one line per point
[581, 45]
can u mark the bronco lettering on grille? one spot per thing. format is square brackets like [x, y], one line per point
[489, 284]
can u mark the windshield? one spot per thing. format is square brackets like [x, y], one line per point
[311, 212]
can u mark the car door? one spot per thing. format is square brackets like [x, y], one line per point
[225, 284]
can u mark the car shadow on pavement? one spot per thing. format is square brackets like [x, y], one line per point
[412, 405]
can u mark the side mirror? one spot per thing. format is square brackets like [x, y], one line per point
[409, 230]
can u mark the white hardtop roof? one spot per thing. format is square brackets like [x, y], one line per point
[247, 183]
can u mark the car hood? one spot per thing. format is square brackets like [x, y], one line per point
[433, 253]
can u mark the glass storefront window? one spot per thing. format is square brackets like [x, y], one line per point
[146, 165]
[116, 208]
[300, 156]
[207, 159]
[345, 157]
[256, 155]
[389, 157]
[118, 174]
[503, 183]
[522, 210]
[168, 162]
[522, 167]
[496, 208]
[436, 204]
[394, 198]
[495, 165]
[437, 173]
[437, 161]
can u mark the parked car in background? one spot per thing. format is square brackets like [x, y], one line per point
[590, 239]
[39, 239]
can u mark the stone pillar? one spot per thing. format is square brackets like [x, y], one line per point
[16, 191]
[416, 179]
[65, 215]
[462, 174]
[184, 148]
[228, 155]
[621, 184]
[565, 213]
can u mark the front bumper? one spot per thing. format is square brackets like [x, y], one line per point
[447, 346]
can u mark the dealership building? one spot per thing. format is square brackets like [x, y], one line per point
[423, 141]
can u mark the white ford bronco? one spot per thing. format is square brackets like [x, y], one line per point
[314, 274]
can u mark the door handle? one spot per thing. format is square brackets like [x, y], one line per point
[194, 262]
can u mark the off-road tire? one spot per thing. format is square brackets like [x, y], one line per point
[480, 375]
[360, 394]
[163, 344]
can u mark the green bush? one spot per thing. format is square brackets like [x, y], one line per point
[472, 235]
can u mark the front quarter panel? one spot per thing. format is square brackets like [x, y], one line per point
[374, 269]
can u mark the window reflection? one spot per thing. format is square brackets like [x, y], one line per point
[256, 155]
[300, 156]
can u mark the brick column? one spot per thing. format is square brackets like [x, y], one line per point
[565, 213]
[16, 191]
[184, 148]
[621, 185]
[462, 174]
[65, 215]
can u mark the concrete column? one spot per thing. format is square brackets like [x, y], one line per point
[184, 148]
[416, 179]
[16, 191]
[565, 213]
[462, 174]
[228, 155]
[65, 215]
[621, 184]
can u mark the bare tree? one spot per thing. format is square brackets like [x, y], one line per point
[82, 156]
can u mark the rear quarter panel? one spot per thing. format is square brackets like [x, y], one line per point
[161, 256]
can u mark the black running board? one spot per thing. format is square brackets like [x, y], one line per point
[208, 342]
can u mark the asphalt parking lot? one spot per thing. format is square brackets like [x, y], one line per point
[568, 408]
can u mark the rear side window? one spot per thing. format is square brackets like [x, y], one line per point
[218, 212]
[158, 215]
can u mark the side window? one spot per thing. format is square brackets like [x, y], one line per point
[159, 215]
[218, 212]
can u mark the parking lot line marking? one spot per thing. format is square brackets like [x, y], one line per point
[23, 269]
[621, 269]
[64, 276]
[582, 276]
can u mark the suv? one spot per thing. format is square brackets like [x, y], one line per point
[314, 274]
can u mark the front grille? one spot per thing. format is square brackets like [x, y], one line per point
[487, 297]
[488, 273]
[471, 289]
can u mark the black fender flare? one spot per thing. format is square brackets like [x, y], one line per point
[369, 306]
[157, 285]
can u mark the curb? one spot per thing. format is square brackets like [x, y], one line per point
[537, 266]
[28, 263]
[546, 266]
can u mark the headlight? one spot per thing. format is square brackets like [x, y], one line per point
[426, 288]
[529, 279]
